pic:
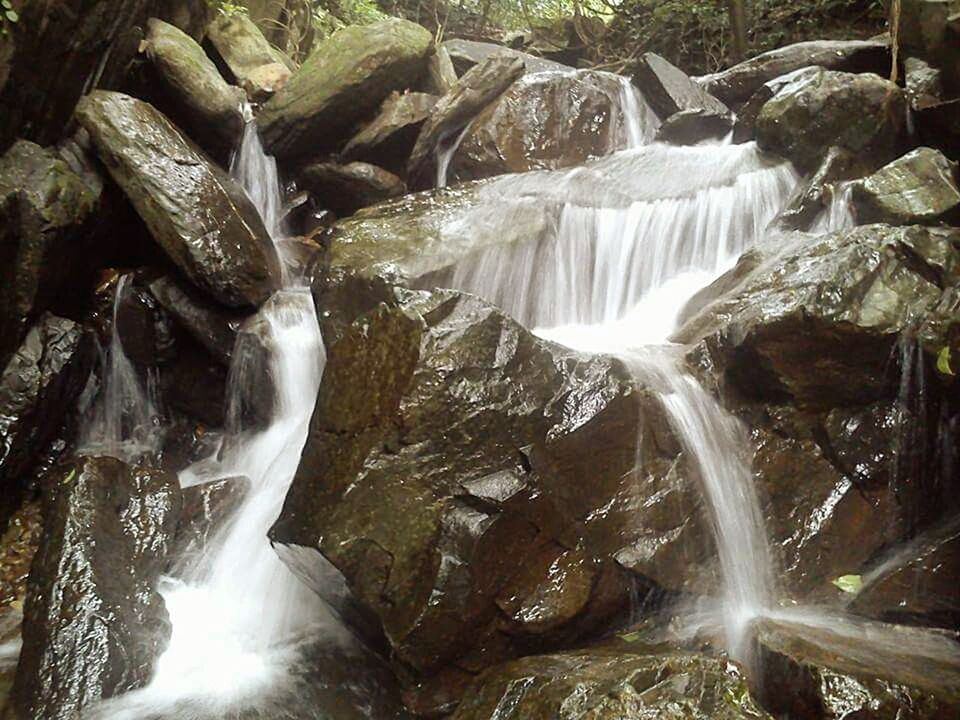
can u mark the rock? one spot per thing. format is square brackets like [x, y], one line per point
[549, 121]
[924, 84]
[817, 319]
[834, 668]
[441, 76]
[265, 81]
[38, 390]
[94, 623]
[608, 684]
[195, 384]
[478, 87]
[56, 58]
[689, 127]
[347, 188]
[917, 584]
[930, 29]
[467, 53]
[938, 126]
[244, 50]
[206, 510]
[918, 188]
[440, 478]
[342, 82]
[196, 213]
[736, 85]
[201, 100]
[214, 328]
[18, 545]
[816, 194]
[191, 16]
[388, 139]
[745, 125]
[44, 211]
[669, 90]
[863, 114]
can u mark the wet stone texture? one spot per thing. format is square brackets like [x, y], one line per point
[94, 623]
[610, 684]
[444, 476]
[200, 216]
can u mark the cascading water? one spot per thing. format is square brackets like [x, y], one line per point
[236, 611]
[124, 417]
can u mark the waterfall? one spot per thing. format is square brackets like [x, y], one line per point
[124, 420]
[237, 610]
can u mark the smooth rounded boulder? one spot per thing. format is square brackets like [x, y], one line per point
[201, 217]
[342, 82]
[816, 109]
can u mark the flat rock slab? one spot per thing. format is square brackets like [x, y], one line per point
[918, 188]
[199, 215]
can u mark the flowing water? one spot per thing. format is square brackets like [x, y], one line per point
[124, 420]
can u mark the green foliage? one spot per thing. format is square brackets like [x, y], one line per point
[851, 584]
[227, 7]
[8, 17]
[944, 366]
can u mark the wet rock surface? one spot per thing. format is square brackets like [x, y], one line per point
[389, 138]
[817, 109]
[669, 90]
[478, 87]
[245, 52]
[342, 82]
[38, 391]
[200, 217]
[94, 623]
[45, 208]
[736, 85]
[817, 324]
[918, 188]
[610, 684]
[467, 53]
[202, 101]
[206, 508]
[347, 188]
[544, 121]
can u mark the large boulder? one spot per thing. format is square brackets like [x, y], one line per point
[918, 188]
[44, 211]
[342, 82]
[347, 188]
[736, 85]
[201, 100]
[669, 90]
[467, 53]
[478, 87]
[552, 120]
[611, 684]
[38, 390]
[245, 52]
[863, 114]
[200, 216]
[815, 320]
[442, 478]
[94, 623]
[388, 139]
[829, 667]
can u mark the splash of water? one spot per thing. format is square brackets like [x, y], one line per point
[124, 421]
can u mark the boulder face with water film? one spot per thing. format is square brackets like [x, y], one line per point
[347, 188]
[388, 139]
[611, 684]
[479, 86]
[920, 187]
[342, 82]
[815, 321]
[200, 216]
[864, 114]
[38, 389]
[94, 623]
[443, 477]
[553, 120]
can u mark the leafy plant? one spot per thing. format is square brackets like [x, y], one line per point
[10, 16]
[227, 7]
[849, 583]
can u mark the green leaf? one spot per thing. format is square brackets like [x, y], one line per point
[630, 637]
[6, 4]
[943, 362]
[849, 583]
[12, 15]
